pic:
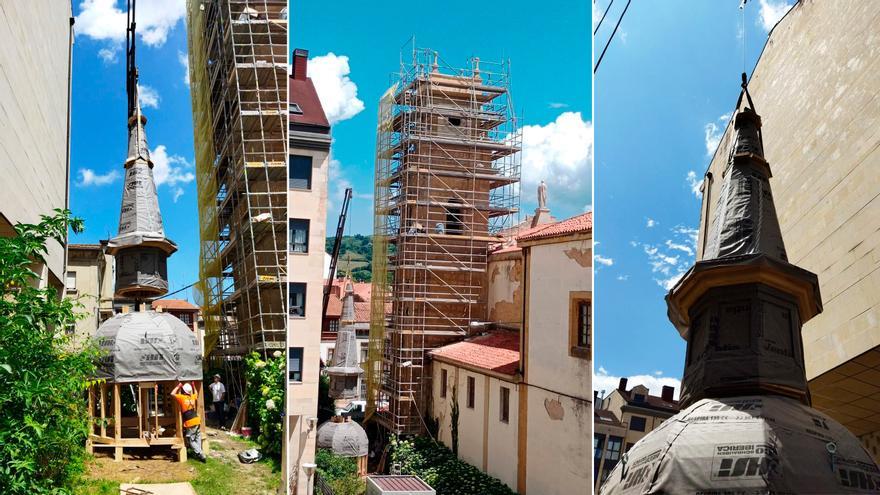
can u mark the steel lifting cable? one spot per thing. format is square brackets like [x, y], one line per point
[603, 16]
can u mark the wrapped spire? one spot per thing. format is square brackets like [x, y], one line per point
[140, 247]
[345, 368]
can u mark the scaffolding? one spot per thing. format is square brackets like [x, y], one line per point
[238, 77]
[447, 183]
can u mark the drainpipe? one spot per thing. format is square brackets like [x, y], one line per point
[67, 140]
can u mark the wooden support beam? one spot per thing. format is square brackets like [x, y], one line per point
[117, 421]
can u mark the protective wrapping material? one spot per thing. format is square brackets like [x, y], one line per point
[148, 346]
[345, 438]
[746, 445]
[345, 368]
[142, 267]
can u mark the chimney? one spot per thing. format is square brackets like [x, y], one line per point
[595, 397]
[622, 385]
[300, 64]
[667, 393]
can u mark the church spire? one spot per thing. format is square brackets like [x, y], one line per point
[140, 247]
[741, 307]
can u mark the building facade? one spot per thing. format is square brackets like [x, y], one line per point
[815, 82]
[523, 387]
[307, 211]
[35, 102]
[622, 418]
[90, 281]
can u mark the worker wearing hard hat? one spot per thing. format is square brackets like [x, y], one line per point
[188, 402]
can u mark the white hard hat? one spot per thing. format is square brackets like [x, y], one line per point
[187, 388]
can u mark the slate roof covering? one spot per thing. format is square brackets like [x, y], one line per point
[303, 93]
[606, 417]
[497, 351]
[650, 402]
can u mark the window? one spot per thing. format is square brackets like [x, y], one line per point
[443, 378]
[297, 299]
[299, 235]
[300, 172]
[186, 318]
[580, 322]
[334, 325]
[598, 450]
[455, 121]
[505, 405]
[365, 353]
[612, 451]
[70, 283]
[454, 224]
[471, 385]
[295, 108]
[639, 398]
[294, 364]
[637, 423]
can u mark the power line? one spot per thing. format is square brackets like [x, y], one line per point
[603, 16]
[175, 292]
[612, 36]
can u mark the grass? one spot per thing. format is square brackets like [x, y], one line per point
[221, 475]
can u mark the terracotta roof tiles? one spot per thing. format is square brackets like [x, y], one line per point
[497, 352]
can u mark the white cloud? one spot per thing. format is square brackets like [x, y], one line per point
[88, 177]
[651, 223]
[337, 92]
[148, 96]
[177, 194]
[340, 183]
[670, 259]
[713, 132]
[170, 169]
[108, 54]
[603, 260]
[183, 58]
[623, 278]
[559, 153]
[103, 20]
[771, 11]
[694, 184]
[557, 105]
[602, 380]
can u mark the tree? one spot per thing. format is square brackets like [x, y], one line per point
[43, 414]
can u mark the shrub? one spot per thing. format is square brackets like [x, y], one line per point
[265, 398]
[43, 415]
[340, 473]
[441, 469]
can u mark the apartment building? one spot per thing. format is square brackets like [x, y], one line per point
[622, 418]
[35, 104]
[307, 211]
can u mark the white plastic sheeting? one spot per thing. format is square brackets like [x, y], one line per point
[746, 445]
[148, 346]
[345, 438]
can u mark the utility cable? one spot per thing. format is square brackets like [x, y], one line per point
[603, 17]
[612, 36]
[175, 292]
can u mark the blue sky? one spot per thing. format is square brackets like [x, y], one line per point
[664, 93]
[352, 56]
[99, 134]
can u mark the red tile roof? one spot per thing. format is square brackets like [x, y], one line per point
[174, 304]
[497, 351]
[650, 402]
[303, 93]
[573, 225]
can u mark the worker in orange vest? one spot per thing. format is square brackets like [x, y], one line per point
[188, 402]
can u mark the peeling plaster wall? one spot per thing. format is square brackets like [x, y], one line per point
[505, 289]
[560, 415]
[482, 434]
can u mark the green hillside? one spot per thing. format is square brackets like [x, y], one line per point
[355, 256]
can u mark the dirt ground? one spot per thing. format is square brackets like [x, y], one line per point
[161, 466]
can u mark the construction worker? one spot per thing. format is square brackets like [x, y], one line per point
[188, 402]
[218, 392]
